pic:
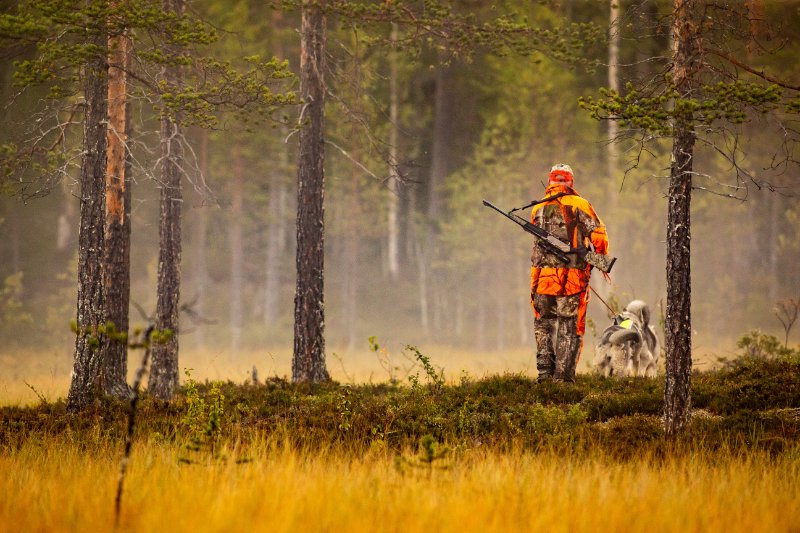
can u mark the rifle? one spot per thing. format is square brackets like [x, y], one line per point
[556, 246]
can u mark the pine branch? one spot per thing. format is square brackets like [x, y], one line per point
[760, 73]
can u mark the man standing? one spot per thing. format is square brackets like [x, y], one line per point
[559, 290]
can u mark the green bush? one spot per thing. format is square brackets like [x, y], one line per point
[765, 376]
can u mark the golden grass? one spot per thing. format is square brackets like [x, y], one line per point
[52, 485]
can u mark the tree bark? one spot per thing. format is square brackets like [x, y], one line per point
[164, 370]
[677, 391]
[85, 385]
[116, 254]
[308, 362]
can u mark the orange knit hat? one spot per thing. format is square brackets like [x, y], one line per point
[562, 173]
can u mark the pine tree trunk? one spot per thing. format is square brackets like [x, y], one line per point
[442, 136]
[308, 362]
[116, 255]
[393, 237]
[85, 385]
[237, 249]
[440, 166]
[678, 327]
[164, 370]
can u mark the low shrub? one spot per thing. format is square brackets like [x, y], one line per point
[752, 402]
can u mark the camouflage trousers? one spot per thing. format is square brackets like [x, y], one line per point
[558, 344]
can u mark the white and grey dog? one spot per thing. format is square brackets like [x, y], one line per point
[628, 347]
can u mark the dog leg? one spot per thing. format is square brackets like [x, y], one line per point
[636, 360]
[629, 362]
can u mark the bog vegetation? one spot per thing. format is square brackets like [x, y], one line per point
[496, 452]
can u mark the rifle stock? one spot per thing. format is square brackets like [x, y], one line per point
[556, 246]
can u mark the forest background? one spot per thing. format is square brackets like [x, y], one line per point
[484, 127]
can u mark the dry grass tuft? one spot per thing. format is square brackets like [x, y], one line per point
[53, 485]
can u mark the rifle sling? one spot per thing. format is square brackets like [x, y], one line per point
[537, 202]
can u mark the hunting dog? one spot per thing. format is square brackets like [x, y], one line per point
[629, 346]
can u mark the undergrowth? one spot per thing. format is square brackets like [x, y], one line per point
[752, 402]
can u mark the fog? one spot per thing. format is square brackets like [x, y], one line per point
[462, 293]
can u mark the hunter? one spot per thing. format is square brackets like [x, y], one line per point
[559, 290]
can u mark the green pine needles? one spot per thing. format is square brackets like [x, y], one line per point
[61, 40]
[656, 114]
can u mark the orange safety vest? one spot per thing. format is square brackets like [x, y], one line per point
[572, 219]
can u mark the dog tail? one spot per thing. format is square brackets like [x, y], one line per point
[625, 335]
[640, 309]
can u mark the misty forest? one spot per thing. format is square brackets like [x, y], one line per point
[247, 268]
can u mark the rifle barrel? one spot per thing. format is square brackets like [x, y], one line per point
[559, 248]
